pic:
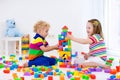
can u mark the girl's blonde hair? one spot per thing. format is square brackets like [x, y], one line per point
[97, 28]
[40, 25]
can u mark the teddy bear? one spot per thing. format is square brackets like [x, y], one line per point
[11, 30]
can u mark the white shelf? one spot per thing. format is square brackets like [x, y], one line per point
[12, 39]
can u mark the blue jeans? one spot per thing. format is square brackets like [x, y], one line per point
[42, 61]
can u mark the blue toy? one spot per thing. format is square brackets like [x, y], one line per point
[11, 30]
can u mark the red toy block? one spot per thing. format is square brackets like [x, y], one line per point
[63, 66]
[22, 78]
[110, 61]
[118, 68]
[32, 73]
[92, 76]
[6, 71]
[69, 32]
[72, 66]
[50, 77]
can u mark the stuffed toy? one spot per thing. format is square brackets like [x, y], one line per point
[11, 30]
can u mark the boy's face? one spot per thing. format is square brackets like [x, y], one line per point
[89, 29]
[44, 32]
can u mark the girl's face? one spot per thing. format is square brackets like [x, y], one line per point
[89, 29]
[44, 32]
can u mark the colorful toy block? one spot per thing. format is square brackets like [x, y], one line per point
[109, 61]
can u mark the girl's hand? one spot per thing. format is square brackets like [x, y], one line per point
[69, 36]
[85, 55]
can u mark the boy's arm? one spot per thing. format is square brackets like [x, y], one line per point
[48, 48]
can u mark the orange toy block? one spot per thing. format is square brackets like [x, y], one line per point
[113, 71]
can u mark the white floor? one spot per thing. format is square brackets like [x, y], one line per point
[99, 75]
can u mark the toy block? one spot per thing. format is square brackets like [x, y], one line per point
[92, 76]
[118, 76]
[36, 75]
[72, 78]
[41, 76]
[77, 78]
[1, 65]
[6, 71]
[27, 74]
[85, 77]
[50, 77]
[76, 73]
[113, 71]
[112, 77]
[69, 32]
[14, 75]
[62, 77]
[118, 68]
[17, 79]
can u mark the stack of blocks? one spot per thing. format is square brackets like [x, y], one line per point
[109, 61]
[25, 43]
[64, 48]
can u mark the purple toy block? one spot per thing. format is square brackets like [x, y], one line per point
[98, 69]
[27, 74]
[107, 70]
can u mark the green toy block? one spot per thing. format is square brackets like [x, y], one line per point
[17, 79]
[69, 42]
[64, 30]
[3, 57]
[111, 59]
[69, 49]
[72, 78]
[46, 68]
[85, 77]
[107, 63]
[1, 65]
[59, 36]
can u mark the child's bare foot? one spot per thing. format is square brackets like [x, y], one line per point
[25, 65]
[106, 67]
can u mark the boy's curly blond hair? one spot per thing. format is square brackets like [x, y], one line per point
[40, 25]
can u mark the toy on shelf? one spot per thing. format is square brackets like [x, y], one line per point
[64, 48]
[11, 30]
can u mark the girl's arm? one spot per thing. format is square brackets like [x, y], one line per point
[79, 40]
[49, 48]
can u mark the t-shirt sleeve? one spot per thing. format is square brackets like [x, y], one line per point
[95, 38]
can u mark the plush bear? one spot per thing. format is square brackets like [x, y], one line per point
[11, 30]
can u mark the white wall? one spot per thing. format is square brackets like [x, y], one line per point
[73, 13]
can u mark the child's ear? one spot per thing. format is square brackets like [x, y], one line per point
[38, 30]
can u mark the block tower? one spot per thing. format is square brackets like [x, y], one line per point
[25, 43]
[64, 48]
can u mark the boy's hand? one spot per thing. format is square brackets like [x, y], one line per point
[56, 46]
